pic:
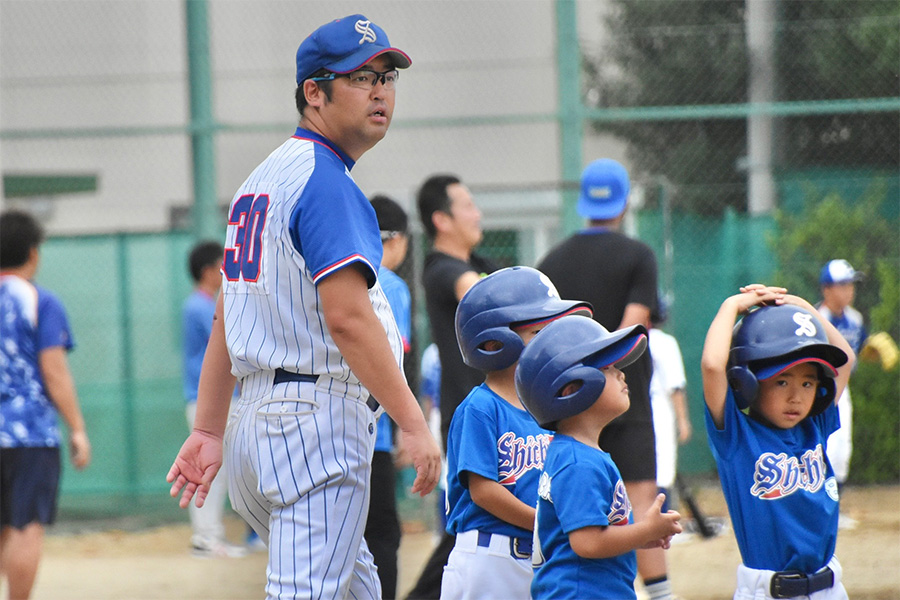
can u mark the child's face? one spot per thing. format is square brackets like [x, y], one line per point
[615, 398]
[785, 400]
[528, 332]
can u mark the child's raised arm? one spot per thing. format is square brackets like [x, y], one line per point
[716, 348]
[835, 338]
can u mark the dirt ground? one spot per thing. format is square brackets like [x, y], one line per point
[155, 563]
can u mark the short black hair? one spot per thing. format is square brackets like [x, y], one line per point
[432, 197]
[204, 254]
[390, 215]
[19, 233]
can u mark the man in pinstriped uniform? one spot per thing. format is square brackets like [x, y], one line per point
[304, 325]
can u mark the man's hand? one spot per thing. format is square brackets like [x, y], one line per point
[425, 454]
[195, 467]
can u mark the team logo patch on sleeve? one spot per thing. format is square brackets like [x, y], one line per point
[621, 506]
[544, 487]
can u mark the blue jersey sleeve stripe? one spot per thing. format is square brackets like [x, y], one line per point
[340, 265]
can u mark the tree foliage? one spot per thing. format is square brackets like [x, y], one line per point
[693, 52]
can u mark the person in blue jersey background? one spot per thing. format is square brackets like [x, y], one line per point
[36, 388]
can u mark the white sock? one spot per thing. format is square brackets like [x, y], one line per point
[659, 589]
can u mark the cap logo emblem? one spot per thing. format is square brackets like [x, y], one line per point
[805, 321]
[364, 28]
[551, 289]
[600, 192]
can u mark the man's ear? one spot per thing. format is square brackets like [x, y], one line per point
[441, 220]
[315, 97]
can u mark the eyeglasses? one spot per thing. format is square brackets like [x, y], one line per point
[365, 78]
[389, 235]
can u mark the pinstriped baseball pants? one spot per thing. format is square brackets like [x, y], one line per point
[298, 472]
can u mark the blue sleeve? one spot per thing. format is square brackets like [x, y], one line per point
[53, 324]
[722, 441]
[576, 507]
[473, 433]
[334, 224]
[398, 297]
[197, 318]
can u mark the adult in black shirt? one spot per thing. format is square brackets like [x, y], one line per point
[453, 223]
[618, 276]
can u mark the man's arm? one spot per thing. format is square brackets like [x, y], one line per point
[216, 385]
[60, 388]
[363, 343]
[464, 282]
[679, 403]
[200, 457]
[635, 314]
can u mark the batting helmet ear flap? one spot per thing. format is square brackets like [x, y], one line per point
[825, 394]
[478, 357]
[592, 383]
[744, 385]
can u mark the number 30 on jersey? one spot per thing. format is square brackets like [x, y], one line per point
[245, 228]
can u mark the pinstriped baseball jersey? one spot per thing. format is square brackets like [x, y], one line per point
[298, 218]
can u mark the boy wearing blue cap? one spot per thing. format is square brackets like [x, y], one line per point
[838, 281]
[304, 324]
[770, 384]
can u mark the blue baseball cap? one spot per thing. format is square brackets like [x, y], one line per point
[604, 190]
[343, 46]
[839, 271]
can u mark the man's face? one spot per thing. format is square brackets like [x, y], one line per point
[464, 215]
[357, 118]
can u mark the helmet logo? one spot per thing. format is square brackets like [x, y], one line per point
[805, 321]
[365, 29]
[551, 289]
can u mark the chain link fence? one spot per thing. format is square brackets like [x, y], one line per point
[762, 138]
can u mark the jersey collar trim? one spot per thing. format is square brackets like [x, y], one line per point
[312, 136]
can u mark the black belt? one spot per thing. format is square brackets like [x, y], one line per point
[518, 547]
[790, 584]
[282, 376]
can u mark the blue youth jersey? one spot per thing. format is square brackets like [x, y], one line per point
[492, 438]
[580, 487]
[849, 324]
[397, 293]
[196, 324]
[780, 488]
[32, 319]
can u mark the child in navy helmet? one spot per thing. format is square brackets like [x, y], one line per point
[495, 450]
[569, 378]
[785, 367]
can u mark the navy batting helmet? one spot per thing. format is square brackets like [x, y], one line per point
[570, 350]
[772, 339]
[507, 298]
